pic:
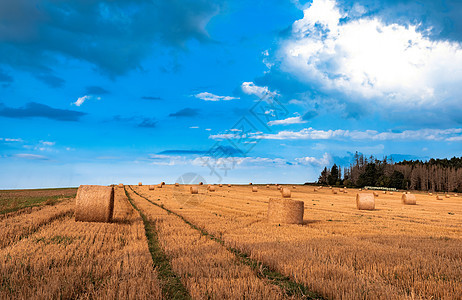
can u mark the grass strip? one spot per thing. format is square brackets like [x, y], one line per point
[172, 288]
[290, 287]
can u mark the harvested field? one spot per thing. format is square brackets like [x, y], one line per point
[163, 245]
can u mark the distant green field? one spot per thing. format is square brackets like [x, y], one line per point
[14, 200]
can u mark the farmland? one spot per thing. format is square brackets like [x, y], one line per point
[168, 243]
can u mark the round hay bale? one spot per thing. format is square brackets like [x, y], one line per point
[391, 193]
[201, 183]
[277, 184]
[438, 197]
[211, 188]
[159, 186]
[330, 187]
[334, 191]
[250, 183]
[121, 185]
[455, 195]
[285, 192]
[430, 194]
[267, 186]
[94, 203]
[285, 211]
[384, 192]
[254, 189]
[294, 187]
[220, 185]
[360, 189]
[365, 201]
[345, 191]
[408, 199]
[229, 185]
[447, 196]
[194, 190]
[177, 184]
[315, 190]
[279, 187]
[151, 187]
[140, 183]
[376, 194]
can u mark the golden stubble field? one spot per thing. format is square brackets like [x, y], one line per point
[393, 252]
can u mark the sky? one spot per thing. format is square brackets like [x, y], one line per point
[109, 91]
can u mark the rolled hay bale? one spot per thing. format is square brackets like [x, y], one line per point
[177, 184]
[151, 187]
[430, 194]
[94, 203]
[360, 189]
[456, 195]
[345, 191]
[447, 196]
[334, 191]
[315, 190]
[254, 189]
[194, 190]
[438, 197]
[285, 211]
[391, 193]
[279, 187]
[267, 186]
[121, 185]
[201, 183]
[376, 194]
[408, 199]
[229, 185]
[384, 192]
[250, 183]
[285, 192]
[163, 183]
[220, 185]
[294, 187]
[211, 188]
[330, 187]
[277, 184]
[159, 186]
[140, 183]
[365, 201]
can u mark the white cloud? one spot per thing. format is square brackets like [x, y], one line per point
[208, 129]
[260, 91]
[194, 127]
[452, 134]
[288, 121]
[368, 59]
[309, 160]
[46, 143]
[11, 140]
[82, 100]
[211, 97]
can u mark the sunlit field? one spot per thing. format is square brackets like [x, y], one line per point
[168, 243]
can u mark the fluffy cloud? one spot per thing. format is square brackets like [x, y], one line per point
[260, 91]
[288, 121]
[211, 97]
[370, 60]
[313, 161]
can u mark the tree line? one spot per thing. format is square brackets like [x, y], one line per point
[436, 175]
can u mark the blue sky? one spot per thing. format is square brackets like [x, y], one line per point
[101, 92]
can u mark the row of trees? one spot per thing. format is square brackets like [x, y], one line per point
[440, 175]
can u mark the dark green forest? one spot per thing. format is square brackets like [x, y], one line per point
[438, 175]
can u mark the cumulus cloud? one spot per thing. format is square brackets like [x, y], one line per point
[260, 91]
[206, 96]
[82, 99]
[288, 121]
[314, 161]
[370, 60]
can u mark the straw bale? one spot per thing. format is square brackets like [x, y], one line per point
[94, 203]
[408, 199]
[151, 187]
[365, 201]
[254, 189]
[285, 192]
[194, 189]
[285, 211]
